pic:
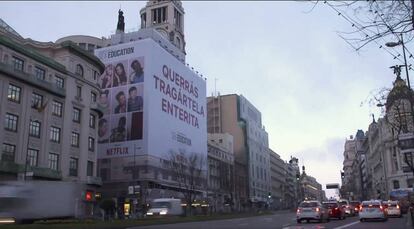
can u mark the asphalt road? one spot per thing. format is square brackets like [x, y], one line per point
[283, 220]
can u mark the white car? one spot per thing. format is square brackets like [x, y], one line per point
[349, 210]
[372, 209]
[393, 208]
[311, 210]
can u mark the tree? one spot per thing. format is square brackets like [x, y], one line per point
[108, 206]
[187, 168]
[374, 20]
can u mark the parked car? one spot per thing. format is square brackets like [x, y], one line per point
[372, 209]
[311, 210]
[356, 205]
[335, 210]
[392, 208]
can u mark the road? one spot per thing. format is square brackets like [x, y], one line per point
[285, 220]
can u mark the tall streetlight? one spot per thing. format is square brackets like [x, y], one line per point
[401, 42]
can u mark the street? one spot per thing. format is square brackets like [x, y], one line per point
[285, 221]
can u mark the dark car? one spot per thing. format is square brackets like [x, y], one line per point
[335, 210]
[356, 205]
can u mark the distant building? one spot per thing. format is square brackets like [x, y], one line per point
[221, 187]
[310, 188]
[234, 114]
[49, 112]
[277, 181]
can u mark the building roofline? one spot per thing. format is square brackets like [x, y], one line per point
[30, 52]
[84, 54]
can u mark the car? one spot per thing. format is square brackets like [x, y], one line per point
[372, 209]
[349, 210]
[335, 210]
[311, 210]
[393, 208]
[356, 205]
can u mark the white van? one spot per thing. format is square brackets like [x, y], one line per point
[165, 206]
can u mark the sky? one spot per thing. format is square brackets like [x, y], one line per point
[312, 88]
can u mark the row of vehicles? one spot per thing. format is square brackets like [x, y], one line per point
[374, 209]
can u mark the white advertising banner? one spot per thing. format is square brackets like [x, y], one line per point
[153, 104]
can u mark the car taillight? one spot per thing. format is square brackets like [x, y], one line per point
[360, 208]
[298, 211]
[356, 209]
[381, 208]
[317, 209]
[336, 209]
[398, 206]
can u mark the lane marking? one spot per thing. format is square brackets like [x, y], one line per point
[347, 225]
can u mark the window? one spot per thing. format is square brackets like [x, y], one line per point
[13, 93]
[92, 121]
[89, 169]
[53, 161]
[79, 70]
[73, 167]
[18, 64]
[396, 184]
[76, 115]
[95, 75]
[54, 134]
[57, 108]
[91, 144]
[8, 152]
[177, 18]
[75, 139]
[32, 157]
[34, 129]
[60, 82]
[93, 97]
[11, 121]
[37, 100]
[159, 15]
[40, 73]
[91, 47]
[79, 91]
[143, 20]
[82, 45]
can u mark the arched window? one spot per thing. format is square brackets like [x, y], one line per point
[79, 70]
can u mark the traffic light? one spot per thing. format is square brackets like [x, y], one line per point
[88, 196]
[297, 176]
[270, 195]
[342, 175]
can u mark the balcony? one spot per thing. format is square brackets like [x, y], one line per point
[32, 80]
[91, 180]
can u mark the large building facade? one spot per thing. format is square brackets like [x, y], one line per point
[155, 117]
[49, 112]
[380, 166]
[234, 114]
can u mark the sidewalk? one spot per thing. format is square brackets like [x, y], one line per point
[409, 220]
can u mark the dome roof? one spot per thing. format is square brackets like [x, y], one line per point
[399, 91]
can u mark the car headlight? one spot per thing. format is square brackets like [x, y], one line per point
[163, 212]
[150, 213]
[7, 220]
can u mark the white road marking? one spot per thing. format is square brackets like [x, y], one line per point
[347, 225]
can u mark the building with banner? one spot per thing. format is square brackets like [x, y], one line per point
[154, 116]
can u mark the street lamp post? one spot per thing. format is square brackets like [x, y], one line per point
[401, 42]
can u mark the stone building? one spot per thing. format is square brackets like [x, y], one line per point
[49, 111]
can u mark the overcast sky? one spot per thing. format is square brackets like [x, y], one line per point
[311, 87]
